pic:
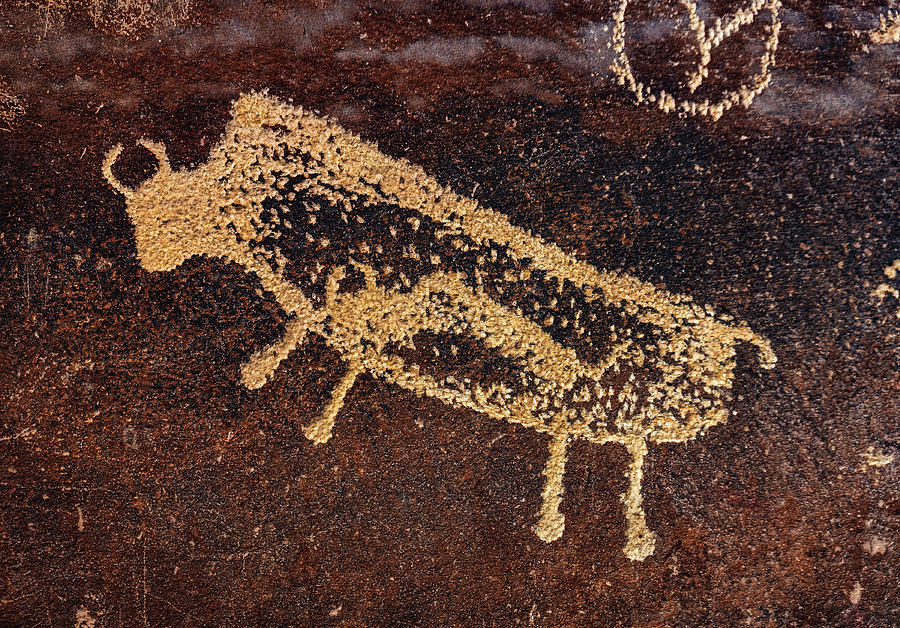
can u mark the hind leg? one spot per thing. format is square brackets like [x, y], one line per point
[553, 522]
[640, 542]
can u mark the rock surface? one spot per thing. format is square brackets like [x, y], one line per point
[143, 483]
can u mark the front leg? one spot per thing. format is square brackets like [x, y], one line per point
[320, 431]
[260, 366]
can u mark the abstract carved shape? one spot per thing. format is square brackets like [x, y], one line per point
[707, 39]
[308, 209]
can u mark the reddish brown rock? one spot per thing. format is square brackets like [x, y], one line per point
[143, 484]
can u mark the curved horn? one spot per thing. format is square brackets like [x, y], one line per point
[111, 155]
[159, 151]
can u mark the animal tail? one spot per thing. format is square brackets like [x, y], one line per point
[766, 357]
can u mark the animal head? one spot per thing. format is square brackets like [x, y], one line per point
[214, 210]
[159, 212]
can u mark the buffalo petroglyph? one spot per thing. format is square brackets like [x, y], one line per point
[393, 269]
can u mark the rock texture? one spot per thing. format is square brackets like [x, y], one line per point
[145, 482]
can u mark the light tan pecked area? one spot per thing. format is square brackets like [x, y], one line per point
[706, 39]
[874, 459]
[667, 367]
[888, 29]
[883, 290]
